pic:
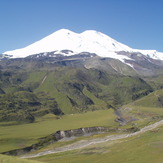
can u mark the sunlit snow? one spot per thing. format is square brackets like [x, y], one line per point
[87, 41]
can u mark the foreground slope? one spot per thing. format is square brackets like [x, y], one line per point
[141, 148]
[16, 136]
[11, 159]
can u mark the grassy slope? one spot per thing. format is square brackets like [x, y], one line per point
[139, 149]
[98, 103]
[145, 110]
[10, 159]
[60, 84]
[18, 136]
[155, 82]
[48, 86]
[54, 81]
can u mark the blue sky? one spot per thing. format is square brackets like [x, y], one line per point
[136, 23]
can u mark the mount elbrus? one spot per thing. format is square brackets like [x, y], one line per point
[67, 43]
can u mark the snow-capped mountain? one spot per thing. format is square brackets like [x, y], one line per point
[88, 41]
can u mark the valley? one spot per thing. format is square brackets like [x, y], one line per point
[79, 100]
[142, 114]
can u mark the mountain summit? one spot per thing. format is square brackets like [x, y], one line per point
[88, 41]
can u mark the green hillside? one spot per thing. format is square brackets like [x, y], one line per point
[28, 94]
[154, 99]
[145, 110]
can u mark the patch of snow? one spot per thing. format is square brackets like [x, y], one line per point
[130, 65]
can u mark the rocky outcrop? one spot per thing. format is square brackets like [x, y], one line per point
[79, 132]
